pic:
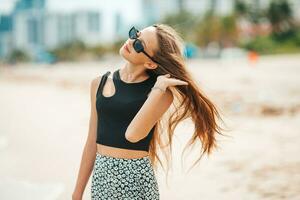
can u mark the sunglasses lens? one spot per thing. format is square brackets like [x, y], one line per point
[138, 46]
[133, 33]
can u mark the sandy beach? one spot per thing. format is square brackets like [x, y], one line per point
[44, 124]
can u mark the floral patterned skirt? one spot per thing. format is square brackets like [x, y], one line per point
[123, 179]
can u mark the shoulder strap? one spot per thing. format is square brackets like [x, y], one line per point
[102, 82]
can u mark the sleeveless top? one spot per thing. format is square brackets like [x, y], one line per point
[117, 111]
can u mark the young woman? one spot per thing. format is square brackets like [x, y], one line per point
[127, 110]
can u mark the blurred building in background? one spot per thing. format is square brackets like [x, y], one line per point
[64, 28]
[33, 28]
[5, 34]
[28, 24]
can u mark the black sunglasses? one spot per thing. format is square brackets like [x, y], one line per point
[137, 44]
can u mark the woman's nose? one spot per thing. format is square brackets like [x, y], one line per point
[130, 42]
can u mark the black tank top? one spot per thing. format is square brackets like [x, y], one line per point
[117, 111]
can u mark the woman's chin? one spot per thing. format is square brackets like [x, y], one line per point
[123, 54]
[129, 57]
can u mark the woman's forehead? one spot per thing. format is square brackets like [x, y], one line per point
[148, 34]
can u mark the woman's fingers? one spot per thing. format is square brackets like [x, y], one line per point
[172, 81]
[175, 81]
[178, 82]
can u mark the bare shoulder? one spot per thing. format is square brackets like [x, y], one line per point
[94, 83]
[96, 80]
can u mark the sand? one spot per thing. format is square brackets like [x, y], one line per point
[44, 124]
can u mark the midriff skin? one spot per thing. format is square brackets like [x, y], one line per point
[119, 152]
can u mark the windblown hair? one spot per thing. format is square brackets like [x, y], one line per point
[189, 101]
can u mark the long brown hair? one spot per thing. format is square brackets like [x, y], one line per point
[189, 101]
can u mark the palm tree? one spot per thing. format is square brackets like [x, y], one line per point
[240, 8]
[281, 17]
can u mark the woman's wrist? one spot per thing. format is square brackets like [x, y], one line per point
[159, 86]
[77, 194]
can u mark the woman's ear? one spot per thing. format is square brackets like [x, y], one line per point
[150, 65]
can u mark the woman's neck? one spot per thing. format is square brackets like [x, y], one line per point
[133, 73]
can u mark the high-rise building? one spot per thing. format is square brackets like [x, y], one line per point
[5, 34]
[29, 4]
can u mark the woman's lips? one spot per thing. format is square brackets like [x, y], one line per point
[126, 47]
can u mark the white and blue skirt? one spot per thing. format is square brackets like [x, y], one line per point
[123, 179]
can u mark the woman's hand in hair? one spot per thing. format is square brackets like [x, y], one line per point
[164, 81]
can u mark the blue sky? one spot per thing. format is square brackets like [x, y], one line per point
[5, 5]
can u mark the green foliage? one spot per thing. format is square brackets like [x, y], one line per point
[297, 39]
[280, 16]
[208, 30]
[240, 8]
[18, 55]
[279, 11]
[272, 44]
[182, 22]
[98, 51]
[261, 44]
[210, 27]
[76, 50]
[117, 45]
[69, 51]
[213, 28]
[229, 30]
[285, 36]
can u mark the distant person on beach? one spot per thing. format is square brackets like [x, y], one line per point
[127, 128]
